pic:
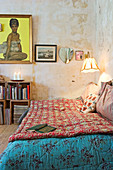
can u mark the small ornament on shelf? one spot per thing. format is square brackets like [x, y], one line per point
[17, 77]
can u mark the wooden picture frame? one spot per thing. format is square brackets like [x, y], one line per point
[45, 53]
[79, 55]
[17, 54]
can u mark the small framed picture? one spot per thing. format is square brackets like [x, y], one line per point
[0, 27]
[79, 55]
[45, 53]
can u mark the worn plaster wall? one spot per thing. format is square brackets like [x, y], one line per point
[104, 38]
[67, 23]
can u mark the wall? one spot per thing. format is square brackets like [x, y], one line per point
[104, 38]
[67, 23]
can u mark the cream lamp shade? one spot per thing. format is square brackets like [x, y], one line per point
[89, 65]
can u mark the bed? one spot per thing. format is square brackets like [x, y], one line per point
[82, 140]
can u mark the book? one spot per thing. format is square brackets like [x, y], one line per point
[1, 114]
[19, 92]
[13, 93]
[46, 129]
[1, 92]
[37, 127]
[7, 116]
[28, 92]
[42, 128]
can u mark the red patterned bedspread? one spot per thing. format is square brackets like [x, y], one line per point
[63, 115]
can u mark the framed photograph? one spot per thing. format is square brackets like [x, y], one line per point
[79, 55]
[45, 53]
[16, 39]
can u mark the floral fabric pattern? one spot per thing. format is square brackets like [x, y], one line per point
[87, 152]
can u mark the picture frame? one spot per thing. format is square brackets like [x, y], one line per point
[79, 55]
[45, 53]
[14, 53]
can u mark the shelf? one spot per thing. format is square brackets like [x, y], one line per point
[16, 93]
[19, 100]
[2, 100]
[18, 82]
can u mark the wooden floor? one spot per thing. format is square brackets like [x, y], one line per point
[5, 132]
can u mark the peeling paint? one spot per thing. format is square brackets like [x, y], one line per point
[80, 3]
[67, 23]
[105, 36]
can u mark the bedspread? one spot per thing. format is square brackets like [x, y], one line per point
[64, 115]
[86, 152]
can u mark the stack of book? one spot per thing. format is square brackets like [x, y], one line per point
[1, 114]
[42, 128]
[7, 116]
[18, 111]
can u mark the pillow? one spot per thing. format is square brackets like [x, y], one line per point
[91, 88]
[103, 85]
[105, 103]
[89, 103]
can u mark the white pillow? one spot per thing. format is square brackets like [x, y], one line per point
[91, 88]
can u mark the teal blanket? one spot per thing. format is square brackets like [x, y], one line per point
[87, 152]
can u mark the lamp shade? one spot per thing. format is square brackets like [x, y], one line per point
[89, 65]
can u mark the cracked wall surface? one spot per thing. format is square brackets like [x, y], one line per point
[104, 38]
[66, 23]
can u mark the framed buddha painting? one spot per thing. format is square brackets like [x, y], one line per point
[15, 39]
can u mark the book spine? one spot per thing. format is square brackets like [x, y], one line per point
[10, 92]
[1, 115]
[24, 93]
[1, 92]
[19, 92]
[7, 116]
[28, 92]
[13, 93]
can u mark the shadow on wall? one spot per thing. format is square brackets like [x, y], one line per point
[39, 92]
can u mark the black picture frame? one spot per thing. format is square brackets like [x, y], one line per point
[45, 53]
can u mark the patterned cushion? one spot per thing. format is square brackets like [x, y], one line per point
[105, 103]
[89, 103]
[91, 88]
